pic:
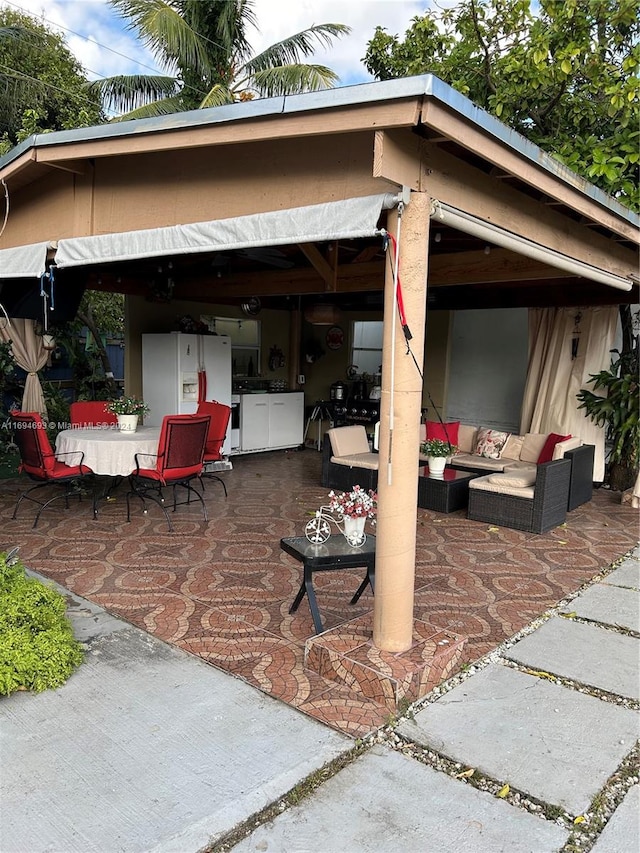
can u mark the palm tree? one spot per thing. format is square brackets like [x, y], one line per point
[204, 48]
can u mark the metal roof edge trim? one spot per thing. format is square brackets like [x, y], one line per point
[426, 85]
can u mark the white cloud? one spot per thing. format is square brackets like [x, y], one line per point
[363, 16]
[99, 38]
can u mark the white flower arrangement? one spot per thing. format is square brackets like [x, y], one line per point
[128, 406]
[355, 504]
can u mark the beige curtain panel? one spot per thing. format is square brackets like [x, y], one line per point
[566, 346]
[31, 356]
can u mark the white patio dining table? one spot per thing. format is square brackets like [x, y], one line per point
[109, 452]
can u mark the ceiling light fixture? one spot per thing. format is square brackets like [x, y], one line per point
[322, 314]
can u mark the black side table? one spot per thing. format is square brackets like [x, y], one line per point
[446, 495]
[335, 553]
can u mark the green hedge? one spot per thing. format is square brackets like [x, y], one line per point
[37, 646]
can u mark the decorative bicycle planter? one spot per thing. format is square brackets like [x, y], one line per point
[318, 530]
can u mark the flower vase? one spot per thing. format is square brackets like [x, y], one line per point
[436, 467]
[354, 530]
[127, 423]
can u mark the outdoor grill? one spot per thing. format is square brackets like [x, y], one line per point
[362, 411]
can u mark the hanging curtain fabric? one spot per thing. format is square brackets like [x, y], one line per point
[29, 352]
[566, 346]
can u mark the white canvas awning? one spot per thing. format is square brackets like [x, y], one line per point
[346, 219]
[507, 240]
[24, 261]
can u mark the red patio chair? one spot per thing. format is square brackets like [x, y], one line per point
[178, 460]
[220, 416]
[39, 462]
[88, 413]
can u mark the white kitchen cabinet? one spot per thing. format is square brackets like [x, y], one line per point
[286, 420]
[271, 421]
[254, 422]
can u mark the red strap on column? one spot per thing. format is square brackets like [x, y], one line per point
[401, 314]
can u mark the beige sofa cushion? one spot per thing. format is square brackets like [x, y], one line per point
[513, 447]
[562, 446]
[358, 460]
[532, 446]
[519, 478]
[466, 438]
[470, 460]
[348, 440]
[485, 484]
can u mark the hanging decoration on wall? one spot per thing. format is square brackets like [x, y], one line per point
[251, 307]
[334, 338]
[276, 358]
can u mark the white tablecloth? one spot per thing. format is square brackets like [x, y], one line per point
[109, 451]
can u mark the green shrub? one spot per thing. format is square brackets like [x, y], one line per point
[37, 646]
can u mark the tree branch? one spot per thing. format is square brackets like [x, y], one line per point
[485, 49]
[88, 321]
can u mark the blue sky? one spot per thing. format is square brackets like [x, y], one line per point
[98, 37]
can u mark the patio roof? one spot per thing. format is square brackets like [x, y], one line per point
[414, 132]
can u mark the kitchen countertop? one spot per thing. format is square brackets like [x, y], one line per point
[285, 391]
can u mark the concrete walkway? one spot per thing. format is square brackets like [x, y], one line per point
[147, 748]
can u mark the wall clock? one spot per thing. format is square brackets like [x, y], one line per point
[335, 337]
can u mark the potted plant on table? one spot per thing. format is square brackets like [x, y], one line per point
[437, 453]
[128, 411]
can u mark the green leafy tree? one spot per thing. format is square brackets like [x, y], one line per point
[102, 314]
[564, 73]
[203, 44]
[42, 85]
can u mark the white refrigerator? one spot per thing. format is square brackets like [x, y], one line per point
[177, 367]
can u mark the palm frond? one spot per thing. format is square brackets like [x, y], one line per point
[128, 92]
[289, 51]
[293, 80]
[14, 32]
[164, 107]
[217, 96]
[163, 28]
[231, 27]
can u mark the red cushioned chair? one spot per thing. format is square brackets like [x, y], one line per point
[39, 462]
[178, 461]
[220, 416]
[88, 413]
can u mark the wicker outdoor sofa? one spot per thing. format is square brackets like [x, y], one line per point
[508, 492]
[520, 453]
[536, 507]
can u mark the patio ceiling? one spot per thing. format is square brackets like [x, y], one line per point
[464, 272]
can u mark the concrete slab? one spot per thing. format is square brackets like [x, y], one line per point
[627, 574]
[88, 620]
[587, 653]
[385, 802]
[623, 830]
[147, 748]
[551, 742]
[611, 605]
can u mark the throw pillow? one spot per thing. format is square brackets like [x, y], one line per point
[490, 443]
[443, 432]
[546, 454]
